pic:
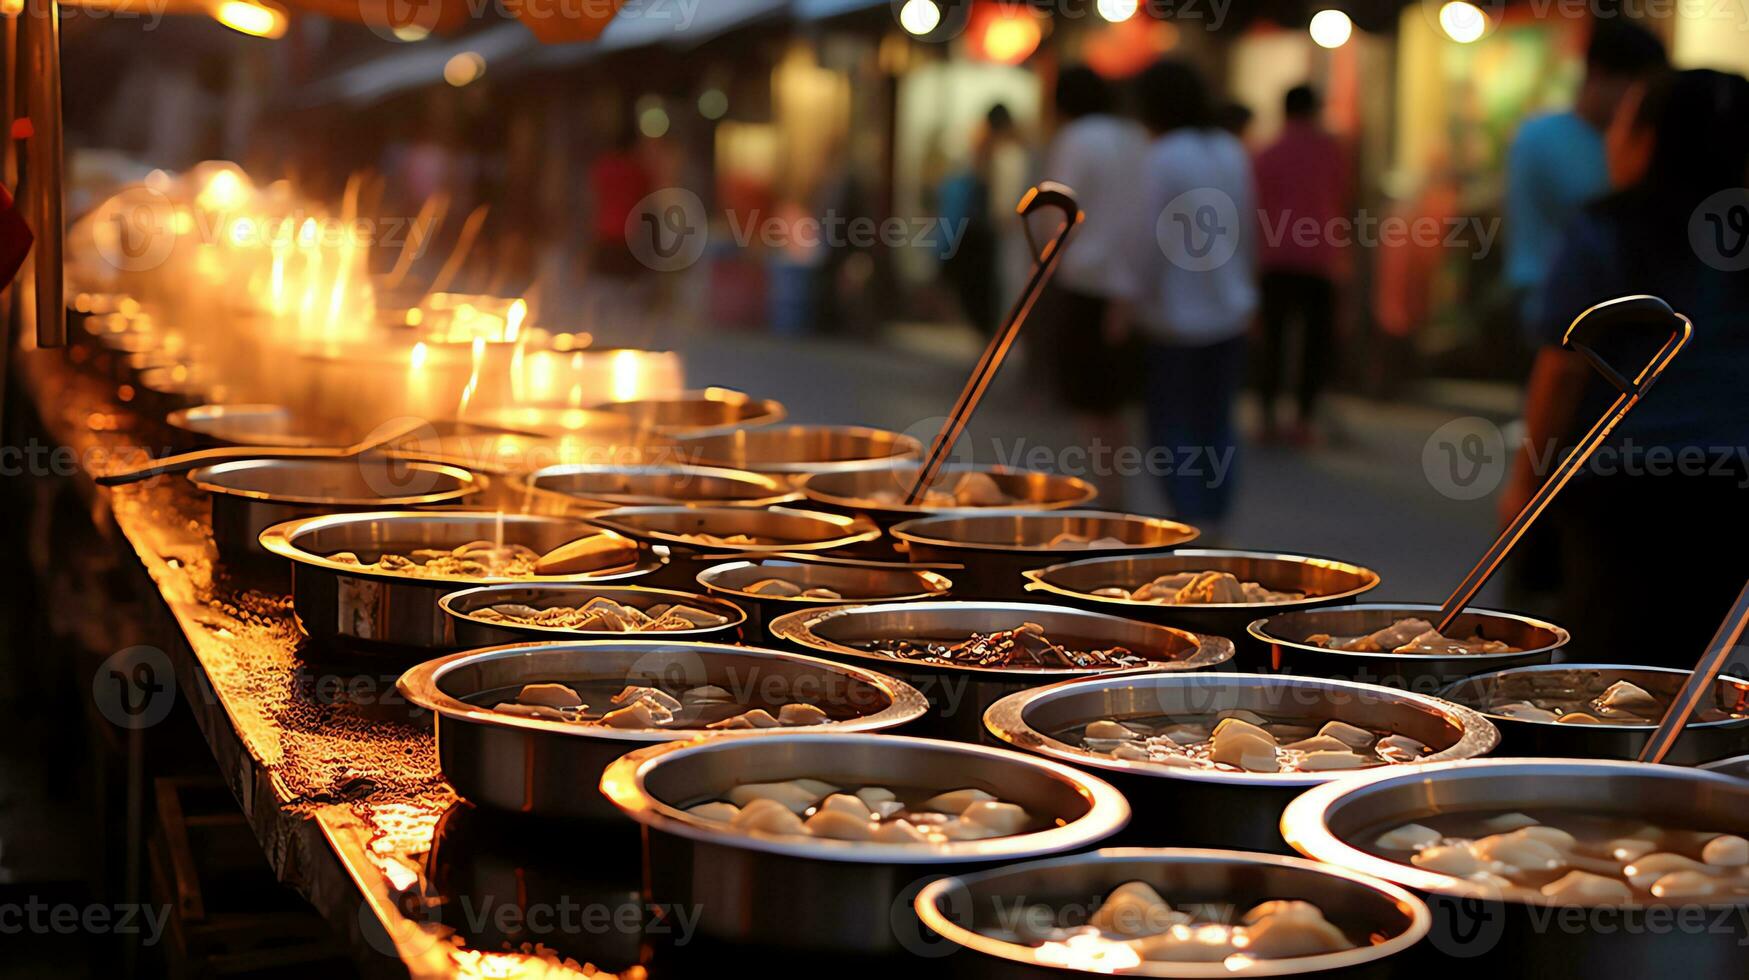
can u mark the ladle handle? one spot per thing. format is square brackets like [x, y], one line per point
[182, 462]
[1712, 661]
[1047, 194]
[1626, 311]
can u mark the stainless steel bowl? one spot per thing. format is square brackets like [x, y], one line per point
[958, 695]
[707, 412]
[582, 489]
[369, 609]
[1501, 937]
[1736, 766]
[779, 529]
[865, 582]
[1285, 635]
[793, 450]
[1211, 808]
[466, 630]
[963, 909]
[1325, 583]
[849, 898]
[249, 496]
[852, 491]
[551, 768]
[246, 425]
[998, 549]
[1700, 741]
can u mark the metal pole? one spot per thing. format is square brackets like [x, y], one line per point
[42, 22]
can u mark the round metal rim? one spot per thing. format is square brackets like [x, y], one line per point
[419, 686]
[858, 530]
[1084, 494]
[1006, 720]
[778, 492]
[1038, 580]
[623, 784]
[906, 447]
[472, 483]
[907, 531]
[1420, 917]
[797, 627]
[736, 615]
[707, 580]
[1445, 692]
[771, 411]
[194, 421]
[1258, 631]
[279, 540]
[1304, 829]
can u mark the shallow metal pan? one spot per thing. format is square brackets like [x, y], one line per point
[864, 583]
[585, 489]
[465, 630]
[793, 450]
[852, 491]
[998, 549]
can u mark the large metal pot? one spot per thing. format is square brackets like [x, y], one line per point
[587, 489]
[706, 412]
[790, 451]
[960, 695]
[251, 495]
[854, 491]
[1212, 808]
[550, 768]
[1500, 936]
[1323, 581]
[963, 909]
[1700, 741]
[467, 629]
[245, 425]
[998, 549]
[860, 582]
[848, 899]
[778, 529]
[369, 609]
[1285, 635]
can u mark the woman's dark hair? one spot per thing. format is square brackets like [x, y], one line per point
[1699, 121]
[1081, 92]
[1172, 95]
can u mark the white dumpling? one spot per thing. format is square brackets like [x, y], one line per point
[1525, 711]
[1131, 752]
[1726, 851]
[550, 695]
[1281, 906]
[897, 832]
[1409, 837]
[819, 787]
[845, 803]
[1585, 888]
[955, 801]
[872, 795]
[1552, 836]
[1245, 746]
[1519, 849]
[1279, 937]
[635, 693]
[886, 808]
[794, 796]
[1625, 695]
[1110, 730]
[1358, 738]
[1400, 748]
[1003, 818]
[1509, 821]
[1210, 943]
[1230, 727]
[705, 694]
[767, 816]
[1329, 761]
[956, 829]
[757, 718]
[1629, 848]
[1134, 909]
[1685, 884]
[800, 714]
[642, 713]
[1456, 860]
[1319, 743]
[839, 825]
[1647, 870]
[715, 810]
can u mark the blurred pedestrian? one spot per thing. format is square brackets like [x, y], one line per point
[1556, 162]
[1653, 541]
[1098, 154]
[619, 180]
[969, 261]
[1190, 269]
[1302, 195]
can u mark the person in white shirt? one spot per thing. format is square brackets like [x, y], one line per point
[1098, 155]
[1190, 270]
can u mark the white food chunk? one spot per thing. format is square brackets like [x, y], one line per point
[1131, 752]
[1626, 695]
[1525, 711]
[635, 693]
[757, 718]
[705, 694]
[839, 825]
[715, 810]
[1456, 860]
[1409, 837]
[1585, 888]
[1246, 746]
[1319, 743]
[955, 801]
[1292, 908]
[1240, 714]
[1685, 884]
[1330, 761]
[550, 695]
[819, 787]
[1509, 821]
[1629, 848]
[1646, 871]
[1109, 729]
[1134, 909]
[897, 832]
[1355, 737]
[1726, 851]
[1278, 937]
[792, 795]
[800, 714]
[1399, 748]
[1552, 836]
[642, 713]
[767, 816]
[873, 795]
[1519, 849]
[847, 804]
[775, 587]
[1210, 943]
[1003, 818]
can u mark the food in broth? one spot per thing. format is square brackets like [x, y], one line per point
[1236, 740]
[602, 615]
[1024, 646]
[1410, 636]
[1198, 588]
[1583, 697]
[879, 814]
[782, 588]
[706, 706]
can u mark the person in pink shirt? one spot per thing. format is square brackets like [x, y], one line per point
[1302, 194]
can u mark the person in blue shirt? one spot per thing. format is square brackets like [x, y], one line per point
[1556, 162]
[1654, 534]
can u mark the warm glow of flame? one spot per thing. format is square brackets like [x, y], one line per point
[513, 319]
[417, 360]
[224, 191]
[479, 360]
[248, 18]
[627, 379]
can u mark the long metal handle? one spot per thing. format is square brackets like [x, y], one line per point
[1616, 312]
[1048, 194]
[1695, 688]
[42, 21]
